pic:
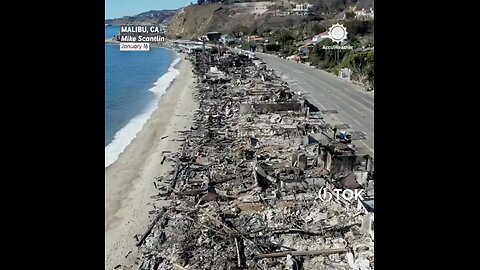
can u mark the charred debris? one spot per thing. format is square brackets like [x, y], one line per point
[244, 192]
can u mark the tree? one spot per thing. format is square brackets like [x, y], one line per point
[354, 41]
[349, 15]
[362, 64]
[354, 61]
[240, 29]
[285, 36]
[324, 53]
[323, 58]
[314, 28]
[370, 70]
[357, 27]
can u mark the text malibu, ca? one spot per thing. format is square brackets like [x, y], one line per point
[137, 38]
[139, 29]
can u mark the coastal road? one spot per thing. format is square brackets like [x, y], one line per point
[328, 92]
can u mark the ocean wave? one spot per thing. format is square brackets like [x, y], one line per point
[125, 135]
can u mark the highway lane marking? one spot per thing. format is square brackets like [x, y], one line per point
[350, 119]
[332, 77]
[367, 146]
[318, 103]
[329, 86]
[361, 113]
[326, 81]
[340, 92]
[307, 78]
[303, 86]
[321, 84]
[341, 111]
[373, 104]
[367, 133]
[346, 115]
[328, 76]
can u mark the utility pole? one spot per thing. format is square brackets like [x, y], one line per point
[338, 56]
[203, 45]
[337, 53]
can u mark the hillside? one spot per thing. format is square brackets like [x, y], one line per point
[252, 17]
[195, 20]
[149, 17]
[336, 6]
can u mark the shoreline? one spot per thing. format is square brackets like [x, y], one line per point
[129, 179]
[115, 147]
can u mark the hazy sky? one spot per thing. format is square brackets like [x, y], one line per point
[120, 8]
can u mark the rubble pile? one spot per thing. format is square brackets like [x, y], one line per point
[245, 188]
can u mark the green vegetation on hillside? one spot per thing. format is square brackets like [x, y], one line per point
[324, 58]
[362, 65]
[287, 34]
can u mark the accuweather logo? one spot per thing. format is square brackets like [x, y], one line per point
[325, 195]
[338, 33]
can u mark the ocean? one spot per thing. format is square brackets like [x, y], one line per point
[134, 83]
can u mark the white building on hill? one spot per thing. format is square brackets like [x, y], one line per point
[364, 13]
[320, 37]
[302, 9]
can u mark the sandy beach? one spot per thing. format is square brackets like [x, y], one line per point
[129, 180]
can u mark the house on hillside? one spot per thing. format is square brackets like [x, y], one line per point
[255, 38]
[364, 9]
[200, 2]
[304, 49]
[364, 13]
[255, 41]
[319, 37]
[214, 36]
[363, 49]
[303, 9]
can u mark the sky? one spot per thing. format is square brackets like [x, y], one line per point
[120, 8]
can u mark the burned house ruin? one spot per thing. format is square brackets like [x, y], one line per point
[244, 191]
